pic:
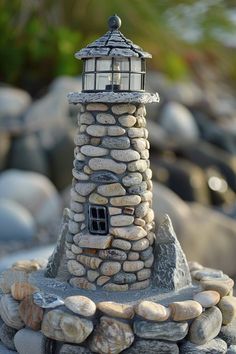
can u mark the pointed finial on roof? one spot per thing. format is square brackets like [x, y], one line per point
[114, 22]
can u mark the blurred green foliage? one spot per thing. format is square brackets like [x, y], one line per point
[38, 37]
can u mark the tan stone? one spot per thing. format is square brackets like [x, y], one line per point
[82, 283]
[97, 107]
[129, 232]
[145, 154]
[83, 128]
[123, 108]
[115, 131]
[194, 266]
[136, 132]
[125, 155]
[97, 130]
[127, 120]
[152, 311]
[31, 314]
[75, 268]
[61, 326]
[81, 305]
[75, 249]
[90, 150]
[89, 241]
[142, 209]
[121, 220]
[133, 266]
[95, 198]
[110, 190]
[95, 141]
[76, 207]
[103, 279]
[89, 262]
[227, 306]
[185, 310]
[150, 216]
[140, 285]
[27, 265]
[147, 196]
[121, 244]
[207, 298]
[126, 200]
[110, 268]
[97, 164]
[84, 188]
[139, 165]
[222, 286]
[140, 245]
[70, 255]
[105, 118]
[141, 111]
[115, 309]
[111, 336]
[139, 144]
[114, 211]
[139, 222]
[143, 274]
[20, 290]
[116, 287]
[128, 211]
[76, 197]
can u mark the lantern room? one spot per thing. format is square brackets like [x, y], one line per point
[113, 63]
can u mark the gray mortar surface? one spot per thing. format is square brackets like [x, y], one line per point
[64, 290]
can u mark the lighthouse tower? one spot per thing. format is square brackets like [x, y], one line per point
[111, 221]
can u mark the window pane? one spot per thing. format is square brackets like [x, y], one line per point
[121, 64]
[89, 65]
[124, 81]
[104, 64]
[101, 213]
[93, 212]
[135, 64]
[135, 82]
[103, 79]
[94, 226]
[102, 226]
[89, 82]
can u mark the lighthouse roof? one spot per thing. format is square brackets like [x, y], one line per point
[112, 44]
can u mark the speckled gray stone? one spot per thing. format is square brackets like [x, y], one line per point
[171, 331]
[170, 269]
[142, 346]
[121, 97]
[47, 301]
[231, 349]
[74, 349]
[228, 333]
[7, 335]
[215, 346]
[104, 177]
[121, 142]
[28, 341]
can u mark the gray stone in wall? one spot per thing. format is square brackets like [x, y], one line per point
[215, 346]
[231, 349]
[56, 261]
[7, 335]
[171, 331]
[170, 269]
[104, 177]
[73, 349]
[228, 333]
[143, 346]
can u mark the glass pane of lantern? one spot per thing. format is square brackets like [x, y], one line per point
[135, 82]
[104, 64]
[121, 64]
[124, 81]
[136, 64]
[89, 82]
[89, 65]
[103, 79]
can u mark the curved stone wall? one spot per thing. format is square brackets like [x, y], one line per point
[111, 169]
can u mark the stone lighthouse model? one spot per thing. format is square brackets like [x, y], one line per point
[110, 227]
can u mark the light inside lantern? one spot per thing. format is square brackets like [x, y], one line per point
[113, 74]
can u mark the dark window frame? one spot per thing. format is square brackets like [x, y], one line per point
[98, 219]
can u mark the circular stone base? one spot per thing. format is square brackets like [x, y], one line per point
[62, 289]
